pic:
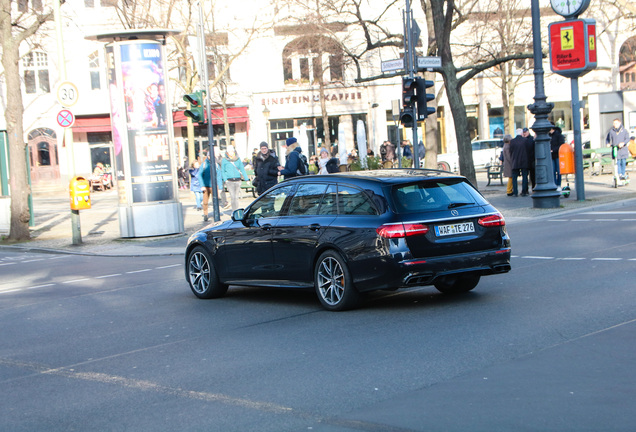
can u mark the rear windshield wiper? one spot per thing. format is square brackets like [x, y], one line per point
[459, 204]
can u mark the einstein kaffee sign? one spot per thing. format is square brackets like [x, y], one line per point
[310, 98]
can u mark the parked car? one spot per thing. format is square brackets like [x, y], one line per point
[485, 154]
[348, 233]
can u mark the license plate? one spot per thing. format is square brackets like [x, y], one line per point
[458, 228]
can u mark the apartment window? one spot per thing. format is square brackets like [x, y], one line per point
[89, 3]
[93, 66]
[309, 60]
[36, 73]
[216, 63]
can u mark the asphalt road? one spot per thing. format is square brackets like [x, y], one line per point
[120, 344]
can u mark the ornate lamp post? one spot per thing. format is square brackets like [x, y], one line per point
[545, 193]
[266, 113]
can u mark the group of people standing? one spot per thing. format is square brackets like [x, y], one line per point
[518, 161]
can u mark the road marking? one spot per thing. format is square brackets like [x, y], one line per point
[538, 257]
[558, 220]
[9, 291]
[39, 286]
[607, 259]
[167, 266]
[572, 259]
[149, 386]
[76, 280]
[139, 271]
[612, 212]
[606, 220]
[33, 260]
[9, 263]
[108, 276]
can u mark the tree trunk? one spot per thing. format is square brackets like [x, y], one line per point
[325, 116]
[15, 131]
[442, 11]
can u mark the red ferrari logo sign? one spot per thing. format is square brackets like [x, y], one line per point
[572, 47]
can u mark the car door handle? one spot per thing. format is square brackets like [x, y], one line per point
[266, 227]
[314, 227]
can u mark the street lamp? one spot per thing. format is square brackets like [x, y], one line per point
[545, 194]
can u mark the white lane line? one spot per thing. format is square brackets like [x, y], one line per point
[167, 266]
[9, 263]
[607, 259]
[538, 257]
[558, 220]
[39, 286]
[139, 271]
[108, 276]
[581, 220]
[76, 280]
[33, 260]
[61, 256]
[9, 291]
[611, 212]
[572, 259]
[606, 220]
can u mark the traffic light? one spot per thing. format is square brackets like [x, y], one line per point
[408, 101]
[196, 112]
[422, 98]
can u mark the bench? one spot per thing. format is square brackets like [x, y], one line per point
[495, 172]
[602, 158]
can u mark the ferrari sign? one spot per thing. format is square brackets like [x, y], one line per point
[573, 47]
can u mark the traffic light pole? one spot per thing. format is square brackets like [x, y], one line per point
[410, 65]
[206, 86]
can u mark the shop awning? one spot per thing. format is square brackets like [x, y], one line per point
[234, 115]
[92, 124]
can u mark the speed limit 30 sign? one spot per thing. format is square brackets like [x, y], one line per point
[67, 94]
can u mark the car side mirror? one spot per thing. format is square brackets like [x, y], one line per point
[238, 215]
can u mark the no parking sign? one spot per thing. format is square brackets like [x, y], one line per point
[65, 118]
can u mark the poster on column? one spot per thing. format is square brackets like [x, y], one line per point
[143, 76]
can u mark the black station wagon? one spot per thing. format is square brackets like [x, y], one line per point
[349, 233]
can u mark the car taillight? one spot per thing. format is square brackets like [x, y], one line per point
[400, 230]
[492, 220]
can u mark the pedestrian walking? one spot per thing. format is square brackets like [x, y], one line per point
[294, 165]
[232, 172]
[265, 169]
[531, 159]
[507, 163]
[195, 185]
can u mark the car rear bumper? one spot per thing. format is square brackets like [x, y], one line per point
[413, 272]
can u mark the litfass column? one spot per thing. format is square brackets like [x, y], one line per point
[141, 119]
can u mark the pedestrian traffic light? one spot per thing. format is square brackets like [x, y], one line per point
[408, 101]
[196, 112]
[424, 111]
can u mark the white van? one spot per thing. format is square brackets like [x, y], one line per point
[485, 154]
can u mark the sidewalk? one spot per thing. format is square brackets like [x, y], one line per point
[101, 235]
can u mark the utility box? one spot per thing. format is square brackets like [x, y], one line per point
[80, 193]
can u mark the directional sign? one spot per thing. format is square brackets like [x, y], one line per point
[392, 65]
[429, 62]
[65, 118]
[67, 94]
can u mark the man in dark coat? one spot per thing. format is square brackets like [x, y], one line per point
[265, 169]
[530, 147]
[519, 161]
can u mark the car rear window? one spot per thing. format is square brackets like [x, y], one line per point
[432, 195]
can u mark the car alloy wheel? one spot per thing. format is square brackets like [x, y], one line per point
[202, 276]
[333, 283]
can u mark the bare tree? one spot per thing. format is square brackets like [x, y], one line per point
[16, 27]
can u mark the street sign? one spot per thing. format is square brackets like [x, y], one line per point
[392, 65]
[429, 62]
[65, 118]
[67, 94]
[415, 32]
[573, 47]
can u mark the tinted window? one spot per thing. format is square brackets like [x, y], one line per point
[271, 204]
[307, 199]
[353, 201]
[434, 195]
[329, 202]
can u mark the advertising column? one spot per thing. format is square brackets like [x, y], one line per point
[143, 139]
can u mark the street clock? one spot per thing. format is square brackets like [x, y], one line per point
[569, 8]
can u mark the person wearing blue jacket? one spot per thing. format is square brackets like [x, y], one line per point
[292, 163]
[232, 172]
[205, 181]
[195, 184]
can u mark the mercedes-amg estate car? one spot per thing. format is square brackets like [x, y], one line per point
[348, 233]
